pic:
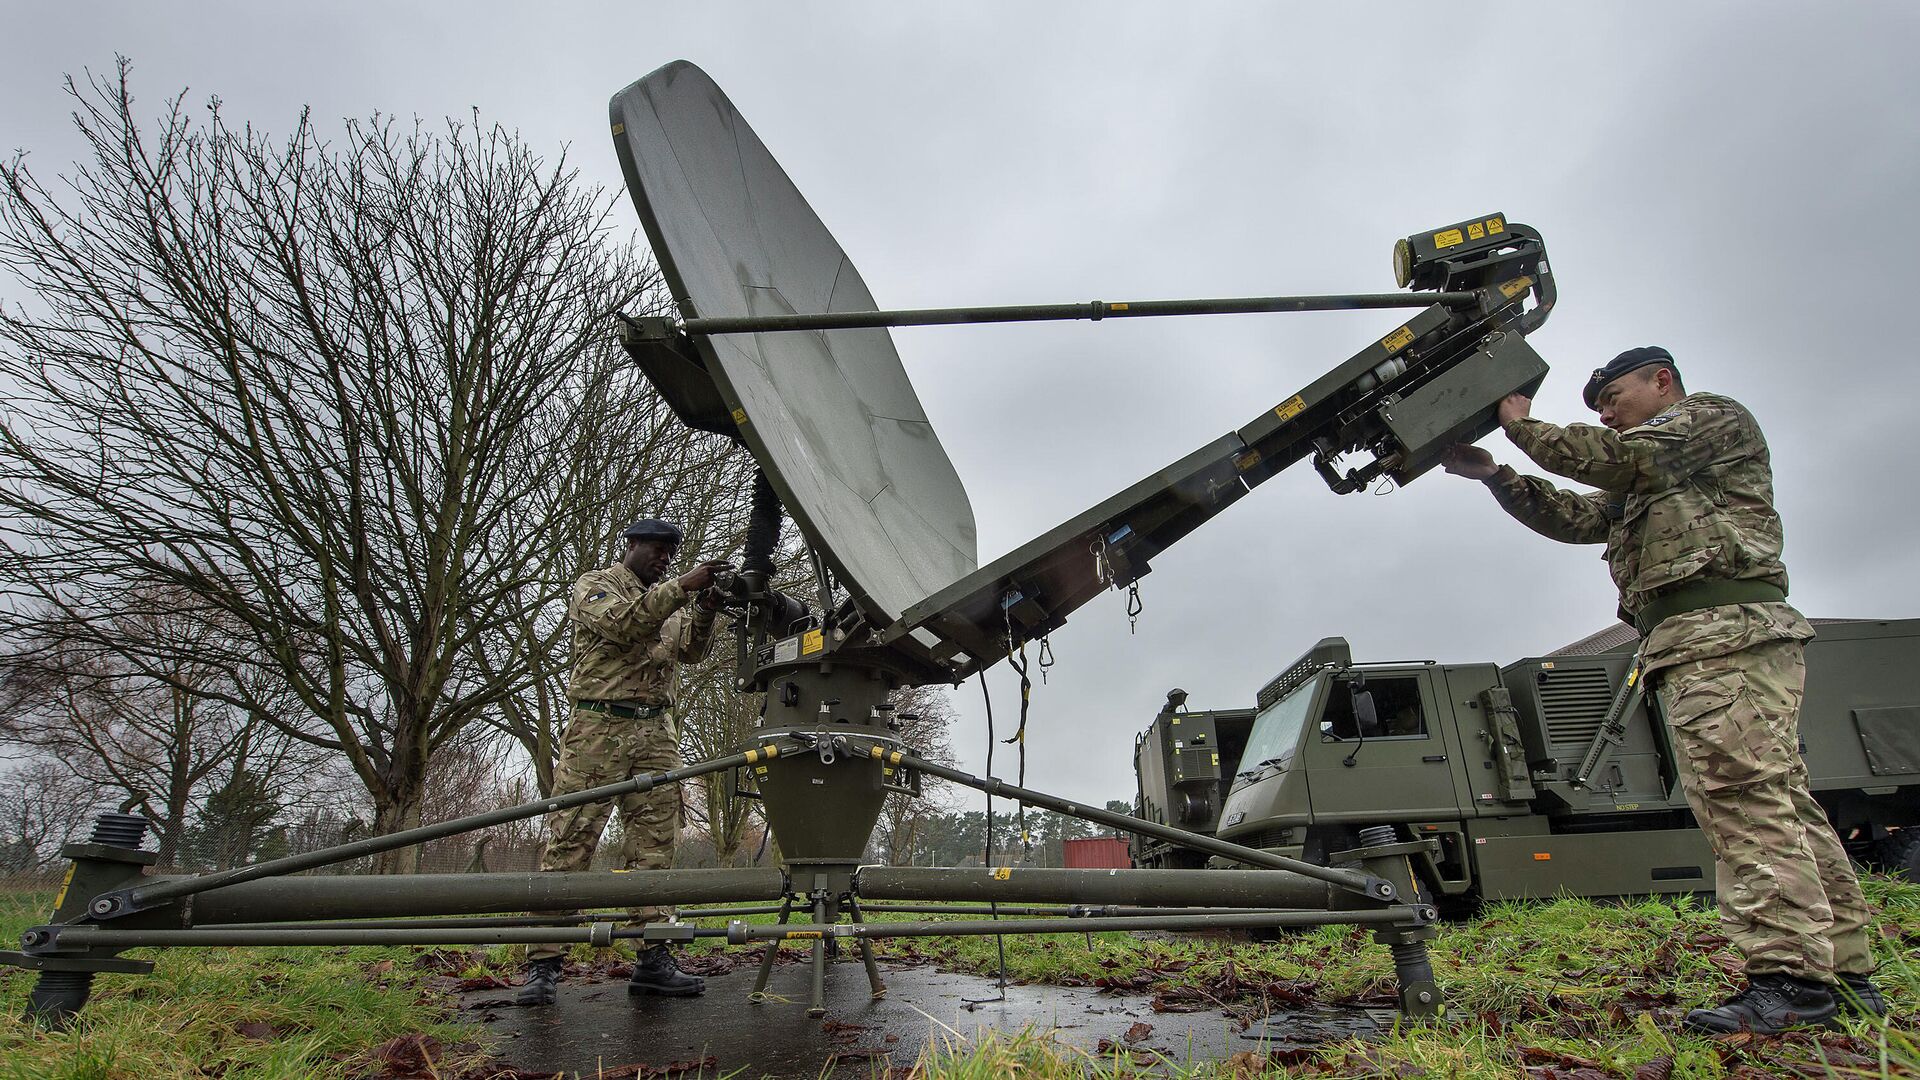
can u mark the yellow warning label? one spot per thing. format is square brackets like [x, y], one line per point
[1002, 873]
[61, 897]
[1495, 225]
[1116, 307]
[760, 770]
[1450, 238]
[1476, 231]
[1543, 856]
[619, 129]
[812, 642]
[803, 933]
[1511, 289]
[1216, 759]
[1247, 460]
[739, 416]
[1290, 408]
[1398, 340]
[1176, 720]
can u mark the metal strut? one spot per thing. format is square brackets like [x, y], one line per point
[1373, 888]
[124, 901]
[1094, 310]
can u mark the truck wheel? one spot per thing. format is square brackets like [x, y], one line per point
[1899, 854]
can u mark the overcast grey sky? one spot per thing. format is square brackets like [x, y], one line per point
[1733, 181]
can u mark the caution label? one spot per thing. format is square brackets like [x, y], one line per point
[1477, 231]
[1002, 873]
[1449, 238]
[740, 417]
[1515, 287]
[1398, 340]
[1290, 408]
[812, 642]
[1495, 225]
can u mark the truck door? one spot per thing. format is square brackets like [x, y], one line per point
[1398, 771]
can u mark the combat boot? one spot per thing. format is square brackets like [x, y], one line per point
[543, 976]
[1770, 1004]
[1857, 995]
[654, 972]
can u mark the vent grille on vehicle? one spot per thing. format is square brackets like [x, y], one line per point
[1265, 838]
[1574, 703]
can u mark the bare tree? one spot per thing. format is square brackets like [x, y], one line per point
[318, 386]
[42, 806]
[163, 737]
[925, 715]
[716, 720]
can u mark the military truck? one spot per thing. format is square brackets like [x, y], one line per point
[1516, 771]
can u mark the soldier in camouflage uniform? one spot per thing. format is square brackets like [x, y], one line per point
[1685, 508]
[631, 631]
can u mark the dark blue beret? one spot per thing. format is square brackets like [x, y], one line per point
[1631, 360]
[654, 529]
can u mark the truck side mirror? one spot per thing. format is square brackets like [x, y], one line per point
[1366, 717]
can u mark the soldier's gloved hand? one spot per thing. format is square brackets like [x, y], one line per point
[700, 577]
[1468, 461]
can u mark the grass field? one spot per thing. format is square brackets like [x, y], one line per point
[1568, 990]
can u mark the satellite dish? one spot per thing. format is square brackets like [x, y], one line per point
[793, 347]
[829, 414]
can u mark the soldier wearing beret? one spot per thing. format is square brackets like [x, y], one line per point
[632, 628]
[1685, 508]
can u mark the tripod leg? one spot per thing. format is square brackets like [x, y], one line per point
[817, 1007]
[874, 982]
[759, 993]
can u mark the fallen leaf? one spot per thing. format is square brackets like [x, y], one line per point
[1660, 1068]
[1246, 1064]
[483, 982]
[1137, 1031]
[258, 1030]
[408, 1056]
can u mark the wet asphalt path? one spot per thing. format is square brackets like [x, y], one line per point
[597, 1027]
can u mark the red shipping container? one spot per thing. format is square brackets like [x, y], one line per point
[1100, 852]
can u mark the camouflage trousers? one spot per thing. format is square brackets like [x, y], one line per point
[1789, 900]
[600, 748]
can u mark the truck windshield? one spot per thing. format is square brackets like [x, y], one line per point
[1276, 731]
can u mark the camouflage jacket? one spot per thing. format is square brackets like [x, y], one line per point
[1686, 496]
[628, 640]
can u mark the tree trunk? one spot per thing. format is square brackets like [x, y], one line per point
[397, 811]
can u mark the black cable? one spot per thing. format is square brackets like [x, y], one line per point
[1019, 664]
[999, 942]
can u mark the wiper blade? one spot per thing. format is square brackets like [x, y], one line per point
[1255, 771]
